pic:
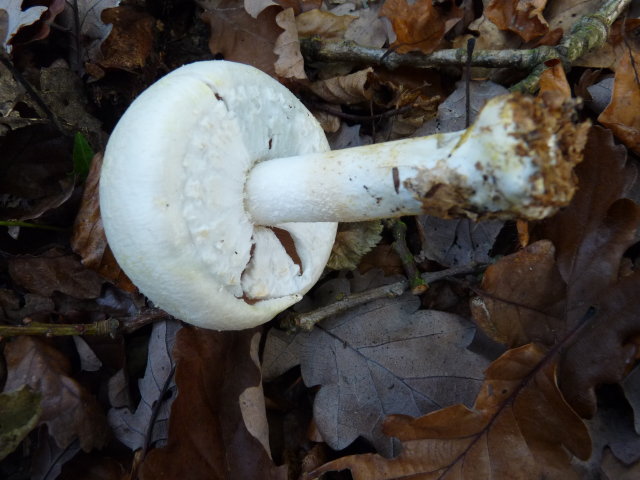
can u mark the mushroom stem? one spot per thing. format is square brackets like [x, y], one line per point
[515, 161]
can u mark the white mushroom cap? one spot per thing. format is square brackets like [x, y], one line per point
[172, 196]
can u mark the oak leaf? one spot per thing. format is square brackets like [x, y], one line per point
[568, 288]
[520, 427]
[382, 358]
[239, 37]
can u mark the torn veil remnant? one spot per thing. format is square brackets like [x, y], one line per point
[219, 196]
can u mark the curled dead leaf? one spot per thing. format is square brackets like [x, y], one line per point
[347, 89]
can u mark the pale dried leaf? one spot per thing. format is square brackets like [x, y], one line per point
[353, 241]
[452, 112]
[90, 29]
[458, 242]
[348, 136]
[131, 428]
[631, 387]
[290, 63]
[368, 29]
[348, 89]
[252, 403]
[565, 13]
[255, 7]
[329, 123]
[324, 24]
[89, 361]
[17, 18]
[601, 94]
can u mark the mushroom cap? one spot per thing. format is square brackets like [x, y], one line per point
[172, 192]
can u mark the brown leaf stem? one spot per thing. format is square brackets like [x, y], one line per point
[109, 327]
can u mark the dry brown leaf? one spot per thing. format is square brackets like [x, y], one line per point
[347, 89]
[290, 63]
[36, 176]
[88, 239]
[519, 428]
[621, 115]
[255, 7]
[523, 17]
[241, 38]
[55, 271]
[131, 40]
[602, 354]
[327, 25]
[216, 430]
[524, 300]
[553, 79]
[418, 26]
[577, 298]
[68, 409]
[543, 292]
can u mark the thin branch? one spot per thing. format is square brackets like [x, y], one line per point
[306, 321]
[102, 328]
[589, 33]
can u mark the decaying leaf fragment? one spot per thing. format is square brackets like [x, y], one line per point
[523, 17]
[621, 115]
[420, 25]
[519, 425]
[19, 414]
[88, 239]
[239, 37]
[68, 409]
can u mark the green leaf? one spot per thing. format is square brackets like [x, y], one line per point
[82, 155]
[19, 414]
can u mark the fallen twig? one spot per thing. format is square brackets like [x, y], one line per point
[306, 321]
[588, 34]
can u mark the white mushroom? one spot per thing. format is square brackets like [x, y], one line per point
[219, 197]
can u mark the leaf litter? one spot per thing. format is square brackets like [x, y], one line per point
[409, 389]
